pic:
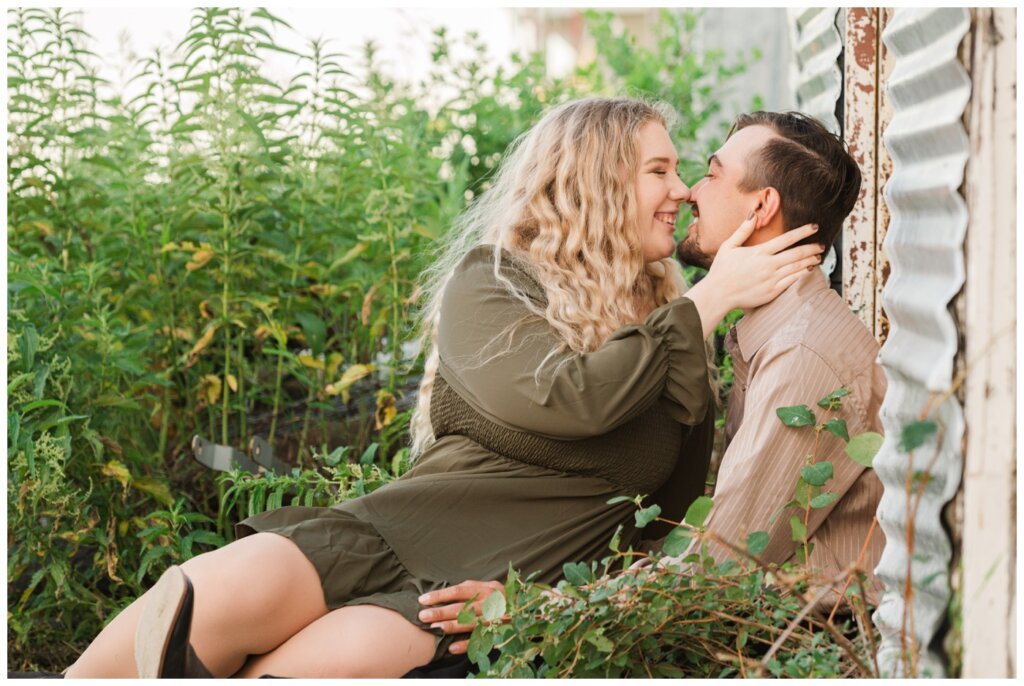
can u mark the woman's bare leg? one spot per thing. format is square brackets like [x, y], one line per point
[358, 641]
[250, 596]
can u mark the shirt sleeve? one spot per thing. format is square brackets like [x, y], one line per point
[761, 465]
[490, 350]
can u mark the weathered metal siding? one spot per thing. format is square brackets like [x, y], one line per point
[819, 79]
[928, 90]
[818, 47]
[988, 555]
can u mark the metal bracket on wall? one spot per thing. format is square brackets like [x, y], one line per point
[222, 458]
[263, 453]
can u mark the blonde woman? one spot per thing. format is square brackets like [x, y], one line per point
[565, 369]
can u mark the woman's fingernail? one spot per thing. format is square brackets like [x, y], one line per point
[426, 616]
[751, 215]
[455, 650]
[815, 227]
[437, 625]
[425, 598]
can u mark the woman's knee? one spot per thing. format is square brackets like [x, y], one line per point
[263, 560]
[262, 574]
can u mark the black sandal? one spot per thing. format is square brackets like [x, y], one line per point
[162, 648]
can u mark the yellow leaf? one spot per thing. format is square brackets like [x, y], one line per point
[262, 331]
[353, 252]
[157, 489]
[334, 361]
[188, 245]
[204, 309]
[112, 563]
[45, 228]
[386, 409]
[178, 332]
[424, 231]
[117, 470]
[364, 315]
[200, 345]
[199, 259]
[311, 362]
[351, 375]
[324, 290]
[209, 389]
[167, 247]
[232, 383]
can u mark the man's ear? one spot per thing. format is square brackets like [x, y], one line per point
[769, 206]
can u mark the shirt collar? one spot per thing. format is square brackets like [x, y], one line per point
[757, 326]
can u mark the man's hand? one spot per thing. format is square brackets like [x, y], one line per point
[445, 617]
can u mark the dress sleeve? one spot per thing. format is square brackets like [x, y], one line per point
[687, 481]
[490, 349]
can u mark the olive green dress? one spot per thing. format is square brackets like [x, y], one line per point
[522, 468]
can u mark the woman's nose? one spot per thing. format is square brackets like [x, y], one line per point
[680, 192]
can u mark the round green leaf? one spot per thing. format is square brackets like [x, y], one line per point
[915, 434]
[837, 427]
[757, 542]
[798, 415]
[799, 530]
[576, 573]
[677, 541]
[823, 500]
[817, 474]
[862, 448]
[494, 607]
[698, 511]
[646, 515]
[832, 400]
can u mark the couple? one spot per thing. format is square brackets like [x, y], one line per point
[568, 365]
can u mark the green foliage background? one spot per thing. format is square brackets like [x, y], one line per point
[231, 256]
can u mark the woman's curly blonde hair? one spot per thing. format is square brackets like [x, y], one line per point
[563, 201]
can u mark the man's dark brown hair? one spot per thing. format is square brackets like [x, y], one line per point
[815, 176]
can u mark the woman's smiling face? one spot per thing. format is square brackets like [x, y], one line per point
[659, 191]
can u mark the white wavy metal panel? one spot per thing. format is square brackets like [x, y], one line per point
[819, 80]
[928, 90]
[818, 46]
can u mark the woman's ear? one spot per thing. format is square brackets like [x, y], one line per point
[769, 206]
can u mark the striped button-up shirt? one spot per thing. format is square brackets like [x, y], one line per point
[796, 350]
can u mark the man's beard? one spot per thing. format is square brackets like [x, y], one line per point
[690, 253]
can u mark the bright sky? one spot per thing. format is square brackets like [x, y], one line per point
[403, 35]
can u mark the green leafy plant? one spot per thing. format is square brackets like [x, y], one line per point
[703, 620]
[213, 251]
[815, 475]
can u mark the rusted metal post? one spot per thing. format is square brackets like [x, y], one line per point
[865, 116]
[861, 132]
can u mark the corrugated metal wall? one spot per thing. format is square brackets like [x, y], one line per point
[818, 48]
[928, 90]
[819, 80]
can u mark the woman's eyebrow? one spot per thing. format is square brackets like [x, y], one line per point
[662, 160]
